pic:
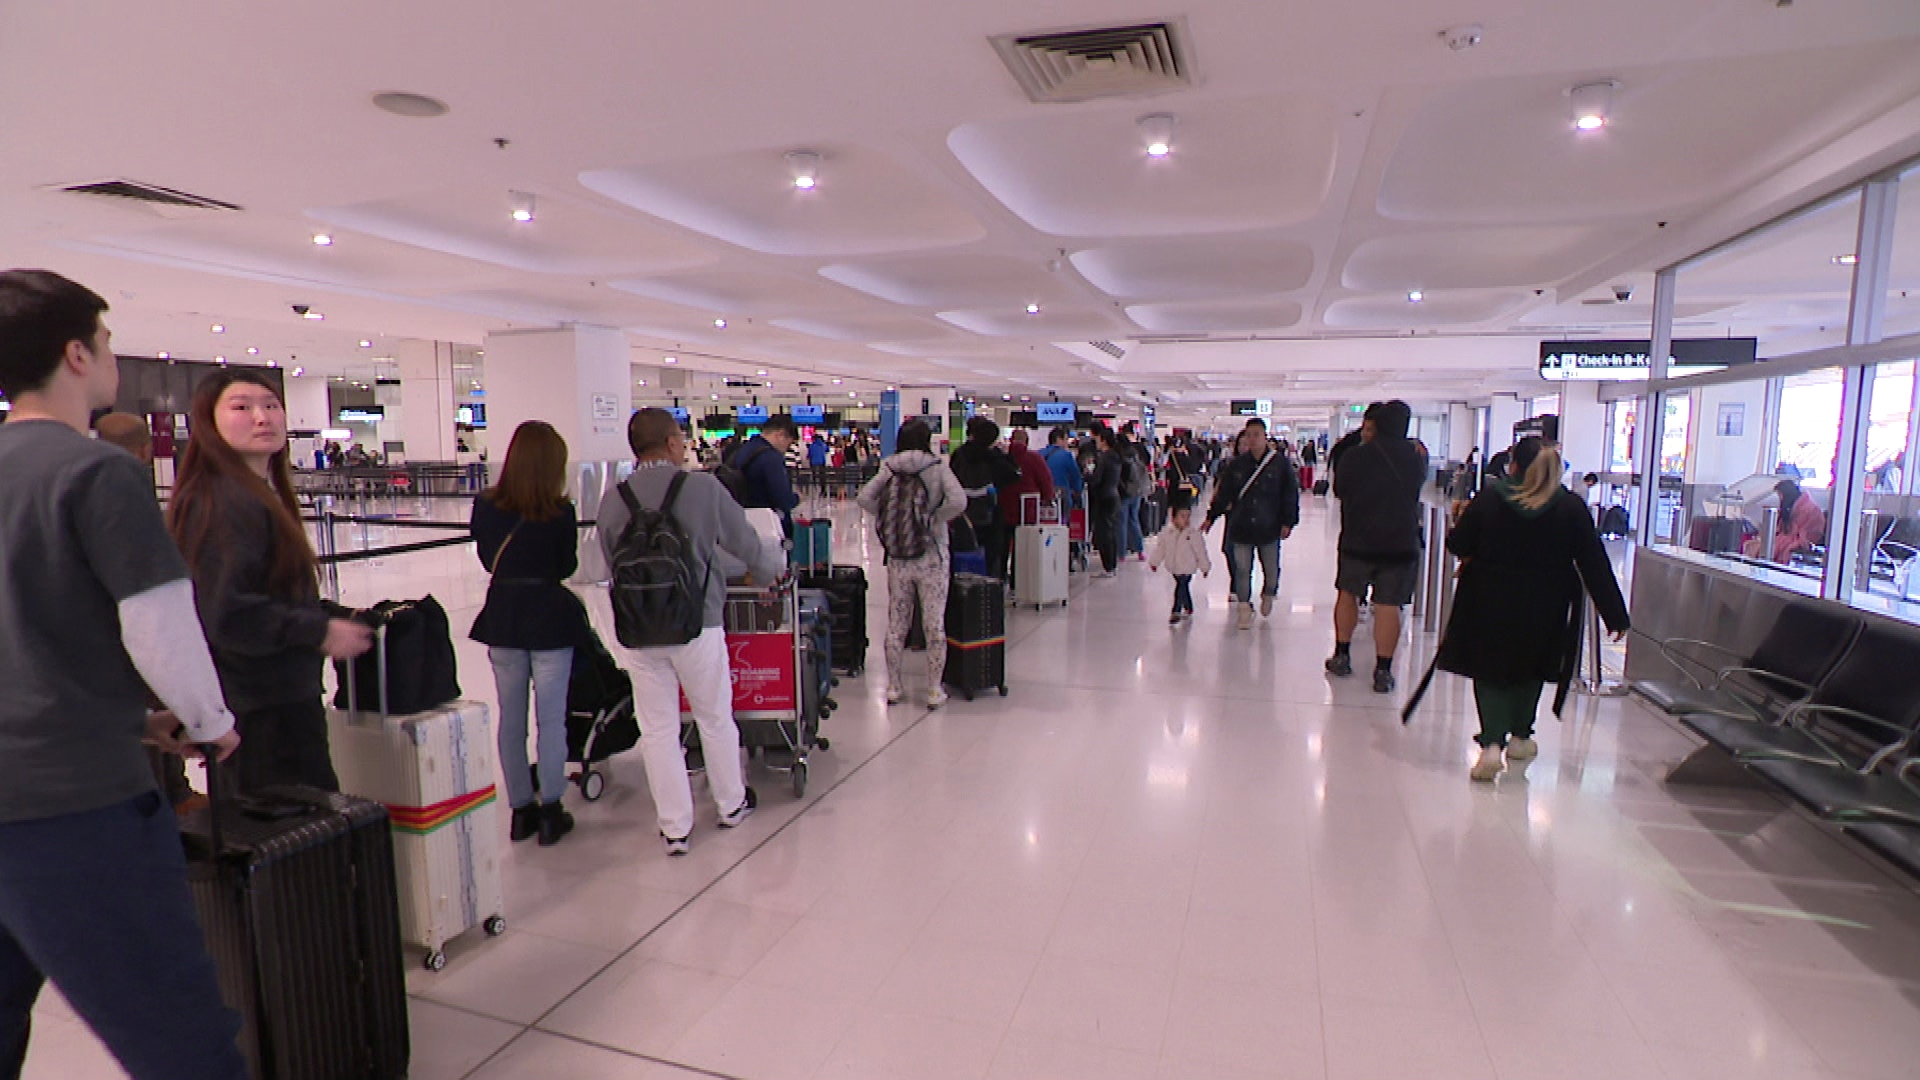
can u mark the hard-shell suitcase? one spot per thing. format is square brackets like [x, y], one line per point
[1320, 486]
[812, 544]
[1040, 565]
[295, 893]
[976, 635]
[434, 772]
[846, 589]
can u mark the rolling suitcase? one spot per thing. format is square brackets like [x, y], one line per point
[846, 589]
[976, 635]
[434, 772]
[1320, 486]
[813, 545]
[295, 893]
[1040, 565]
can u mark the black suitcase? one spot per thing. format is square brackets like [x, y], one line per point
[846, 589]
[1320, 487]
[296, 896]
[976, 635]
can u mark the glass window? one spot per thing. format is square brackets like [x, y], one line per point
[1786, 285]
[1903, 279]
[1809, 429]
[1621, 416]
[1890, 516]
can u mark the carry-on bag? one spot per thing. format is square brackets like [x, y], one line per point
[846, 589]
[417, 650]
[976, 635]
[812, 544]
[1320, 486]
[295, 892]
[1040, 565]
[434, 773]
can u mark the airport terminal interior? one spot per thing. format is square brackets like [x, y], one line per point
[1677, 243]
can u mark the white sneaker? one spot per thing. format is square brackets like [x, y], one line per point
[1245, 621]
[1522, 750]
[1489, 766]
[740, 813]
[1266, 606]
[936, 697]
[677, 845]
[895, 695]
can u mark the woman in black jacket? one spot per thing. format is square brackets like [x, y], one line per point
[527, 536]
[984, 470]
[1527, 545]
[256, 583]
[1103, 501]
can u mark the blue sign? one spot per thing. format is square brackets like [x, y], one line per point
[680, 414]
[809, 414]
[750, 414]
[1054, 412]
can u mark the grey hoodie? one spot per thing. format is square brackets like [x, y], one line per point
[946, 499]
[712, 520]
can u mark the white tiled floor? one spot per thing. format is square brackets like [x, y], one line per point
[1174, 854]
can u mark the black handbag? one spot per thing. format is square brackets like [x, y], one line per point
[411, 667]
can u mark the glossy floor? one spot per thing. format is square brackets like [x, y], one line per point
[1174, 853]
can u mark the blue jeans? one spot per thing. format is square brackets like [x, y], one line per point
[1132, 541]
[1183, 593]
[97, 901]
[549, 671]
[1240, 568]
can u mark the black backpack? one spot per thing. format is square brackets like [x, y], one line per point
[418, 662]
[659, 588]
[733, 476]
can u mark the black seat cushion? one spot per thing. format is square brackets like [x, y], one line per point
[1842, 794]
[1879, 676]
[1804, 644]
[1748, 740]
[1900, 844]
[1676, 698]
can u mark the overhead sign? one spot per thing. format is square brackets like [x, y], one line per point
[1261, 407]
[363, 414]
[1625, 361]
[751, 414]
[809, 414]
[1054, 412]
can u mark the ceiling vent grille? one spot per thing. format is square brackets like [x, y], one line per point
[1110, 61]
[152, 194]
[1109, 348]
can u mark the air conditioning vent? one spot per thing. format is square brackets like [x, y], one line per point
[1109, 348]
[1600, 301]
[1110, 61]
[151, 194]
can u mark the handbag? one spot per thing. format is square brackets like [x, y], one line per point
[414, 651]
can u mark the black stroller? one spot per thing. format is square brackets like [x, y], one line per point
[600, 720]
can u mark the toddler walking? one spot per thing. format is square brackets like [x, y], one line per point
[1182, 549]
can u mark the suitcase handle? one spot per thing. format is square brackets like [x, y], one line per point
[380, 672]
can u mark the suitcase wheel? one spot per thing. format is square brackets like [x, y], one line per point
[1003, 691]
[436, 961]
[820, 742]
[495, 925]
[593, 784]
[799, 779]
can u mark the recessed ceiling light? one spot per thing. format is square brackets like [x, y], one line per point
[889, 387]
[760, 372]
[1845, 260]
[1156, 131]
[1006, 397]
[1033, 309]
[853, 393]
[715, 397]
[643, 382]
[670, 360]
[314, 315]
[520, 205]
[273, 363]
[321, 239]
[837, 382]
[218, 329]
[166, 355]
[1593, 104]
[365, 344]
[299, 371]
[251, 351]
[220, 360]
[1416, 296]
[720, 324]
[418, 106]
[805, 165]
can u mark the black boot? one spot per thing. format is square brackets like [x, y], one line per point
[526, 821]
[555, 823]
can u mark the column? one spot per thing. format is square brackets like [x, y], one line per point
[936, 404]
[579, 379]
[1583, 427]
[1461, 436]
[1508, 410]
[426, 397]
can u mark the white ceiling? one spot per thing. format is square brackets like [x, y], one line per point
[1327, 160]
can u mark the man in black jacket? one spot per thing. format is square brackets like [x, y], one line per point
[762, 461]
[1259, 495]
[1378, 483]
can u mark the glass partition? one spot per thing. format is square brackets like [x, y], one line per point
[1902, 314]
[1890, 517]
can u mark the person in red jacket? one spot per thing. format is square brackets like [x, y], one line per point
[1036, 478]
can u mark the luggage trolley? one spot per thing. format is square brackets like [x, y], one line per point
[781, 681]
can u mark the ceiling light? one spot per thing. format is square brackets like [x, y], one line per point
[1157, 132]
[220, 360]
[1845, 260]
[218, 329]
[760, 373]
[715, 397]
[365, 344]
[643, 382]
[806, 169]
[314, 315]
[273, 363]
[719, 324]
[321, 239]
[670, 360]
[837, 382]
[1416, 296]
[299, 371]
[853, 393]
[1462, 38]
[166, 355]
[521, 205]
[1593, 104]
[419, 106]
[1033, 309]
[889, 387]
[1006, 397]
[251, 351]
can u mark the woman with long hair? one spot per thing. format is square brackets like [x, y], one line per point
[235, 517]
[527, 536]
[1527, 546]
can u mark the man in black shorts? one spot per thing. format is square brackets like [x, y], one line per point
[1378, 484]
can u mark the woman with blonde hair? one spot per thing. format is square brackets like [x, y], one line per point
[527, 536]
[1527, 547]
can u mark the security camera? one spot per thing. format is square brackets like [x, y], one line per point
[301, 309]
[1622, 293]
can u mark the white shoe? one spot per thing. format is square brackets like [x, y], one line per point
[1489, 766]
[936, 697]
[895, 695]
[1245, 621]
[1522, 750]
[1266, 606]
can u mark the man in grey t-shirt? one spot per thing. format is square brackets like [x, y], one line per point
[711, 520]
[95, 608]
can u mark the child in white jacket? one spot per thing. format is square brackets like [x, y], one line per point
[1182, 549]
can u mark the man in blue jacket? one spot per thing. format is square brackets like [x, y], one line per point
[1065, 468]
[762, 460]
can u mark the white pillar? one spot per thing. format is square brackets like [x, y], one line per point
[307, 408]
[579, 379]
[1583, 427]
[1507, 411]
[426, 396]
[1461, 437]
